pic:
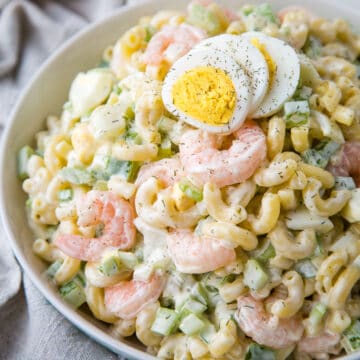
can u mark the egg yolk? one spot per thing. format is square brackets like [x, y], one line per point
[270, 62]
[206, 94]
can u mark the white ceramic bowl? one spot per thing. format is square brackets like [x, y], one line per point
[45, 95]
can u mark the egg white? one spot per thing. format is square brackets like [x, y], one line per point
[248, 56]
[216, 59]
[286, 77]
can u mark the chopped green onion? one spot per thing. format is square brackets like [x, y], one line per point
[351, 337]
[73, 291]
[296, 113]
[65, 194]
[204, 18]
[344, 183]
[306, 268]
[258, 352]
[110, 266]
[265, 252]
[23, 157]
[191, 325]
[77, 176]
[207, 332]
[166, 321]
[53, 269]
[255, 276]
[129, 259]
[190, 190]
[321, 154]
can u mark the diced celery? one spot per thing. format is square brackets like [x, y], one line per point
[110, 266]
[23, 157]
[166, 321]
[321, 154]
[73, 292]
[303, 93]
[193, 306]
[77, 176]
[165, 124]
[312, 47]
[129, 259]
[317, 313]
[264, 252]
[266, 11]
[65, 194]
[207, 332]
[199, 293]
[190, 190]
[255, 276]
[117, 89]
[258, 352]
[129, 113]
[296, 113]
[126, 169]
[165, 149]
[191, 325]
[133, 137]
[351, 337]
[53, 268]
[306, 268]
[344, 182]
[150, 31]
[204, 18]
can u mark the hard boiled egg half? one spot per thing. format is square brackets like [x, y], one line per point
[227, 78]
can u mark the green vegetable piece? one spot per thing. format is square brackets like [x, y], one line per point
[77, 176]
[150, 32]
[193, 306]
[191, 325]
[351, 337]
[53, 268]
[344, 183]
[296, 113]
[110, 266]
[199, 293]
[190, 190]
[73, 291]
[166, 321]
[265, 252]
[255, 276]
[129, 259]
[165, 124]
[65, 194]
[23, 157]
[165, 149]
[257, 352]
[207, 332]
[306, 268]
[126, 169]
[204, 18]
[129, 114]
[266, 11]
[317, 313]
[321, 154]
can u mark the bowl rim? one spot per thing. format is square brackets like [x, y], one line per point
[73, 316]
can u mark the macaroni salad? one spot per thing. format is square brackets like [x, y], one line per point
[201, 187]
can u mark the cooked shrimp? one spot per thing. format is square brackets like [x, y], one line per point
[193, 254]
[100, 208]
[348, 163]
[172, 42]
[324, 343]
[202, 159]
[265, 328]
[128, 298]
[168, 171]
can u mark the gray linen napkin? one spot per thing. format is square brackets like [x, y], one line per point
[30, 328]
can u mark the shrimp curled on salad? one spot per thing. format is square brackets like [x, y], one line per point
[202, 159]
[100, 208]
